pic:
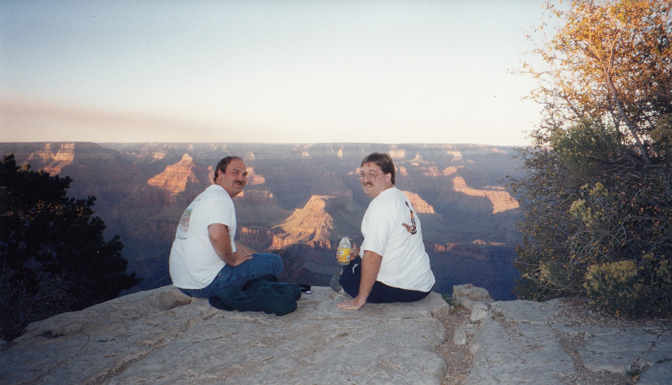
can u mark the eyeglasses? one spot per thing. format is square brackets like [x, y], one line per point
[370, 176]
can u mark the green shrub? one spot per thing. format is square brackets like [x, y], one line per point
[631, 288]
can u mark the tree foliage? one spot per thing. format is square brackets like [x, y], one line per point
[596, 191]
[52, 252]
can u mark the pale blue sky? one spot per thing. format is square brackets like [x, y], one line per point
[266, 71]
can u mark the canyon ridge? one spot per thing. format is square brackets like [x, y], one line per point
[299, 201]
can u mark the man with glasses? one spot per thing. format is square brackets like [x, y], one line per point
[205, 258]
[394, 266]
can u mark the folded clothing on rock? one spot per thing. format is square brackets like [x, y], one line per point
[270, 297]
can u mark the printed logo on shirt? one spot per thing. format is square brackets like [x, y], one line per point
[183, 226]
[412, 228]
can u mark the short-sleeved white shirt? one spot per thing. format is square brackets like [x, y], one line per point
[387, 228]
[193, 262]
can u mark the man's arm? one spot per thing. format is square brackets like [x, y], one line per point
[221, 242]
[370, 268]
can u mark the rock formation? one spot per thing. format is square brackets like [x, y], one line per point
[421, 207]
[176, 176]
[501, 200]
[308, 224]
[162, 336]
[142, 190]
[516, 342]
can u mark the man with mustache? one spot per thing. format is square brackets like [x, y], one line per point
[205, 258]
[394, 266]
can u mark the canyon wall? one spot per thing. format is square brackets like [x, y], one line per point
[300, 198]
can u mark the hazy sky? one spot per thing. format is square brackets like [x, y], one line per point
[266, 71]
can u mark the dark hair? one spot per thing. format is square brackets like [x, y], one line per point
[223, 164]
[383, 161]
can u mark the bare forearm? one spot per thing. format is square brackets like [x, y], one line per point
[221, 242]
[370, 268]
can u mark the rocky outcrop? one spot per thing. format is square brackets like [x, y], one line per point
[557, 342]
[176, 176]
[255, 238]
[419, 204]
[308, 224]
[162, 336]
[501, 199]
[54, 157]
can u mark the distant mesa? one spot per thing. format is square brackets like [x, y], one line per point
[421, 207]
[310, 223]
[176, 176]
[253, 179]
[501, 200]
[397, 153]
[248, 196]
[449, 171]
[457, 155]
[487, 243]
[54, 157]
[430, 171]
[417, 161]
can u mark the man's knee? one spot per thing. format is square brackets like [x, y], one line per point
[273, 261]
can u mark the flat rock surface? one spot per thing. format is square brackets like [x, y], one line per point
[164, 337]
[524, 342]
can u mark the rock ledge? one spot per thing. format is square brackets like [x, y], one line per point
[162, 336]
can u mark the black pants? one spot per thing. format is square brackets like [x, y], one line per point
[381, 293]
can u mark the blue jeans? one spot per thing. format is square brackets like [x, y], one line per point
[381, 293]
[260, 265]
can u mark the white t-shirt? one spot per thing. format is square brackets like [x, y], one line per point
[388, 230]
[193, 262]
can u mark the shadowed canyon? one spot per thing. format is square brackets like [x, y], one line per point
[300, 200]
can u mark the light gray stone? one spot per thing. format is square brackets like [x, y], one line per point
[520, 354]
[658, 374]
[617, 352]
[468, 294]
[161, 336]
[460, 336]
[527, 311]
[479, 311]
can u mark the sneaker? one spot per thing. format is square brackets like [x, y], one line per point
[334, 284]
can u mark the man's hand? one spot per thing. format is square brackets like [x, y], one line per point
[354, 252]
[353, 304]
[240, 257]
[370, 267]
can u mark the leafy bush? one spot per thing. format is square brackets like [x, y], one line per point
[625, 287]
[596, 190]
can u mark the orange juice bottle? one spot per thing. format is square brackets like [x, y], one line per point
[344, 251]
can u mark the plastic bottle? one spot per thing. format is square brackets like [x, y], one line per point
[343, 252]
